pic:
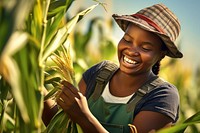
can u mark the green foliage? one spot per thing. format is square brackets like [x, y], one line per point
[181, 127]
[32, 31]
[187, 83]
[92, 46]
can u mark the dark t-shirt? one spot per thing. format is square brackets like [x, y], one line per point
[163, 99]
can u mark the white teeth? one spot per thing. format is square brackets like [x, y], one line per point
[129, 61]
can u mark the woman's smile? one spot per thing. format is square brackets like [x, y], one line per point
[129, 62]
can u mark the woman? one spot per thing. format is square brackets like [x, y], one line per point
[149, 37]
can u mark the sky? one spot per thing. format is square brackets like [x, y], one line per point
[187, 12]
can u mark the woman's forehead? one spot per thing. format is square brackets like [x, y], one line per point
[136, 31]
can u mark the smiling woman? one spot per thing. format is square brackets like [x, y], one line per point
[139, 52]
[132, 93]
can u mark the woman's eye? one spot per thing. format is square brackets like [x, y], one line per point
[126, 40]
[146, 48]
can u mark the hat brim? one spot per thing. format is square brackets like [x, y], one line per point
[123, 21]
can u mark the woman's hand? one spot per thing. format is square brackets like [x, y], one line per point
[75, 105]
[73, 102]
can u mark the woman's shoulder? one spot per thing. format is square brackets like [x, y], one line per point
[164, 91]
[166, 87]
[164, 98]
[159, 85]
[91, 74]
[93, 71]
[97, 67]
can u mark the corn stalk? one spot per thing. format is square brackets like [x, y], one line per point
[30, 32]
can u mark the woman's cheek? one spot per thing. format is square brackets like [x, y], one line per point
[119, 50]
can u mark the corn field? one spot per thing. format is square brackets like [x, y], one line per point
[40, 45]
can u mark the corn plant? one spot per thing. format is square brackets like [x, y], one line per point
[30, 32]
[187, 84]
[13, 15]
[97, 46]
[62, 65]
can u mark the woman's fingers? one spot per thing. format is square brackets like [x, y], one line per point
[82, 102]
[79, 101]
[66, 98]
[61, 103]
[69, 89]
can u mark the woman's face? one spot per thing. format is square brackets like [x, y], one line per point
[139, 50]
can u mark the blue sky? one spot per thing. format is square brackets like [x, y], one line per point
[186, 10]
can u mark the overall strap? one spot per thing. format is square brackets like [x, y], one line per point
[143, 91]
[103, 77]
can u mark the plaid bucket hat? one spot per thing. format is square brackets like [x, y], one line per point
[157, 19]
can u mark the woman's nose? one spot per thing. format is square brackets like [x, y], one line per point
[133, 51]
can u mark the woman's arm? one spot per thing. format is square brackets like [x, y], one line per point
[50, 109]
[149, 121]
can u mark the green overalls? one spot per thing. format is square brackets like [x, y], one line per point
[111, 115]
[115, 117]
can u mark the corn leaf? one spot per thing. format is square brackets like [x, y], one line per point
[181, 127]
[56, 7]
[63, 33]
[12, 15]
[53, 26]
[194, 119]
[58, 123]
[10, 70]
[36, 18]
[15, 43]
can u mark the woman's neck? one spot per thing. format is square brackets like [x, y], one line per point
[123, 84]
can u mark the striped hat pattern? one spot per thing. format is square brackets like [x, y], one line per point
[159, 20]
